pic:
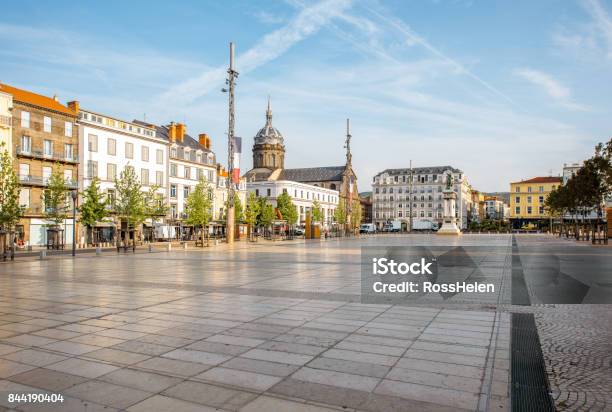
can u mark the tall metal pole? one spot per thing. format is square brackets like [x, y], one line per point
[410, 196]
[231, 77]
[74, 199]
[348, 193]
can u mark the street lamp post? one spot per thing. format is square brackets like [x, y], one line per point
[74, 195]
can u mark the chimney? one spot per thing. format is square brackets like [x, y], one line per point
[207, 142]
[202, 138]
[180, 131]
[172, 132]
[74, 106]
[55, 98]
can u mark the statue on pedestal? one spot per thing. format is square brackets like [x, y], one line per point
[449, 222]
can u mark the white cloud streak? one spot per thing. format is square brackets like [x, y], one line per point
[560, 93]
[273, 45]
[602, 21]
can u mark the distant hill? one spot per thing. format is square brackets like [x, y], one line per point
[505, 196]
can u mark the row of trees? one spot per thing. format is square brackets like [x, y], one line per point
[587, 189]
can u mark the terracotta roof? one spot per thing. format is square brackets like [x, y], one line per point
[542, 179]
[34, 99]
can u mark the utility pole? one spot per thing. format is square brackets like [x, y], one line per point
[232, 74]
[410, 196]
[349, 159]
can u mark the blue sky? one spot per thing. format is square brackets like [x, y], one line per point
[504, 90]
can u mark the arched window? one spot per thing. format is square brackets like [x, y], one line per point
[332, 186]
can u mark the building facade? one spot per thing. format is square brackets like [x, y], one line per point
[6, 123]
[365, 199]
[190, 161]
[397, 192]
[44, 138]
[495, 208]
[110, 145]
[302, 195]
[527, 201]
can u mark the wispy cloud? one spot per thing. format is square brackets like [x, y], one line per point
[268, 18]
[602, 21]
[551, 86]
[306, 23]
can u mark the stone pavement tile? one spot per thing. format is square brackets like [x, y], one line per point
[326, 394]
[48, 379]
[306, 340]
[70, 404]
[378, 403]
[276, 356]
[20, 327]
[459, 332]
[441, 367]
[190, 355]
[234, 377]
[450, 348]
[106, 393]
[9, 368]
[180, 333]
[215, 347]
[347, 366]
[116, 356]
[440, 380]
[331, 327]
[334, 378]
[235, 340]
[362, 356]
[292, 348]
[172, 366]
[34, 357]
[447, 397]
[29, 340]
[261, 366]
[71, 348]
[101, 323]
[446, 357]
[268, 403]
[159, 403]
[55, 333]
[146, 348]
[370, 348]
[326, 334]
[392, 333]
[454, 340]
[499, 404]
[173, 341]
[5, 349]
[75, 327]
[83, 368]
[120, 334]
[97, 340]
[377, 340]
[248, 333]
[210, 395]
[7, 333]
[137, 379]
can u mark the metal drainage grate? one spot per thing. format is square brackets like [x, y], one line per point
[530, 389]
[520, 294]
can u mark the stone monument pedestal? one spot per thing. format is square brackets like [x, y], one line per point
[449, 222]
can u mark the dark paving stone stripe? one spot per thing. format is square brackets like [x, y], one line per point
[520, 294]
[530, 387]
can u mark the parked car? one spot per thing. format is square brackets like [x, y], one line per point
[299, 231]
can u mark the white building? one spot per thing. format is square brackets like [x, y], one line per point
[109, 145]
[190, 161]
[395, 193]
[496, 209]
[6, 131]
[302, 195]
[569, 170]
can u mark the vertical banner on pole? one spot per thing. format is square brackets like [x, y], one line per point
[237, 152]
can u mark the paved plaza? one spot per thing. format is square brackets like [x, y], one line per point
[281, 327]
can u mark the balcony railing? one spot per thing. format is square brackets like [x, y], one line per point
[5, 121]
[55, 156]
[30, 180]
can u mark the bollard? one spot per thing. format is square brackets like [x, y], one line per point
[168, 247]
[150, 248]
[98, 251]
[43, 254]
[185, 246]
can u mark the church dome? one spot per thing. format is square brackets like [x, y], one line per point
[269, 134]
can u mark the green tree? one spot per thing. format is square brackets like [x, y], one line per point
[199, 207]
[317, 212]
[356, 214]
[251, 212]
[10, 210]
[55, 198]
[267, 215]
[262, 202]
[287, 209]
[130, 202]
[340, 213]
[155, 206]
[94, 207]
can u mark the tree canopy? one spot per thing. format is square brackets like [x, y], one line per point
[55, 197]
[10, 210]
